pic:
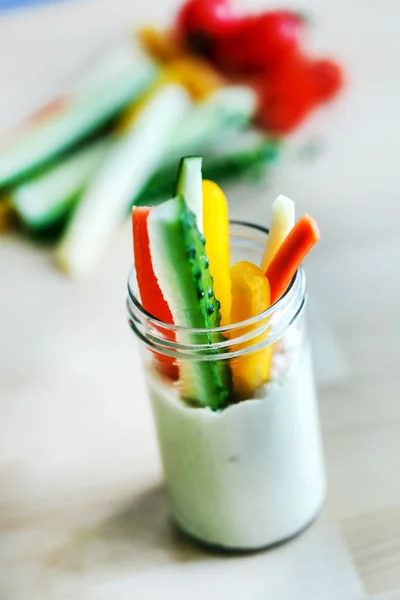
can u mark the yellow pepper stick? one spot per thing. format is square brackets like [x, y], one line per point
[282, 221]
[216, 233]
[160, 45]
[250, 297]
[199, 78]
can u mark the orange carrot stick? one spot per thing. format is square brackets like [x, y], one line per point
[150, 293]
[290, 255]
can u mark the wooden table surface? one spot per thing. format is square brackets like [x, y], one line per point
[82, 510]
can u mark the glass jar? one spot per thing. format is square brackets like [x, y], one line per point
[252, 474]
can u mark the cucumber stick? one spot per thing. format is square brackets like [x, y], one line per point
[46, 199]
[181, 267]
[106, 201]
[109, 87]
[189, 185]
[52, 194]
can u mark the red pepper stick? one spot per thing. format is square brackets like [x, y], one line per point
[152, 299]
[151, 296]
[291, 254]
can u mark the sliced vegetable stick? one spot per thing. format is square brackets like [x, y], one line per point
[228, 109]
[290, 255]
[216, 233]
[122, 175]
[199, 78]
[282, 221]
[250, 297]
[189, 185]
[8, 216]
[248, 163]
[150, 293]
[151, 296]
[47, 198]
[162, 46]
[181, 267]
[101, 94]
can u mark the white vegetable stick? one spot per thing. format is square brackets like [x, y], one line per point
[282, 221]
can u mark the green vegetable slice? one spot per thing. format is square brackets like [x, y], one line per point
[46, 199]
[189, 185]
[106, 90]
[181, 266]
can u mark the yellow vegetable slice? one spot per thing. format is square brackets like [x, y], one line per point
[282, 221]
[216, 233]
[162, 46]
[198, 76]
[250, 297]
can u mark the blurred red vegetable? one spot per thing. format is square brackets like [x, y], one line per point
[327, 77]
[259, 42]
[200, 23]
[264, 51]
[288, 95]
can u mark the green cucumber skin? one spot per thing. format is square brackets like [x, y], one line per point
[47, 142]
[46, 200]
[108, 197]
[209, 308]
[56, 160]
[184, 248]
[225, 112]
[221, 169]
[54, 218]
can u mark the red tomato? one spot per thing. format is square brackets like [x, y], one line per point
[288, 96]
[259, 41]
[200, 22]
[327, 78]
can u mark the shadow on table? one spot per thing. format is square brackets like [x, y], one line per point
[136, 553]
[138, 535]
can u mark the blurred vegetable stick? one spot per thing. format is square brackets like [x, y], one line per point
[104, 91]
[199, 78]
[107, 199]
[47, 198]
[8, 215]
[162, 46]
[250, 163]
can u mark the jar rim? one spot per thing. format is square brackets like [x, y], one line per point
[296, 288]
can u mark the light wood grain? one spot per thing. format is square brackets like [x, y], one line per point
[82, 514]
[374, 542]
